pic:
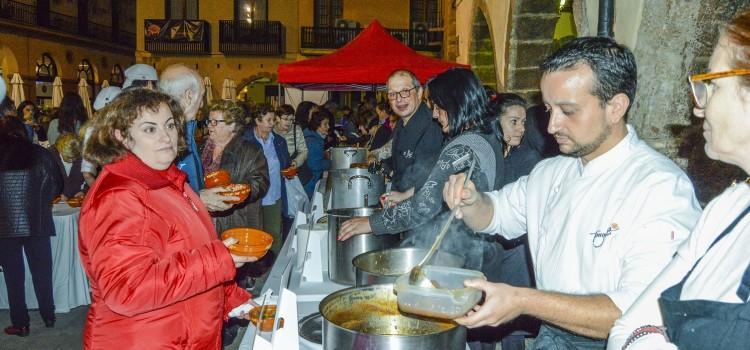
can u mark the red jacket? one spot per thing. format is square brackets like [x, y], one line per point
[160, 277]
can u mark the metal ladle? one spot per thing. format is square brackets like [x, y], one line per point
[417, 276]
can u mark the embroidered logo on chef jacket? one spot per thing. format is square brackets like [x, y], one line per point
[599, 237]
[408, 154]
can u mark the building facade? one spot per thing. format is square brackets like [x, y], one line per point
[246, 40]
[70, 39]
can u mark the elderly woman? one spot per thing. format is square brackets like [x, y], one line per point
[244, 160]
[29, 181]
[700, 300]
[277, 156]
[67, 155]
[292, 133]
[160, 277]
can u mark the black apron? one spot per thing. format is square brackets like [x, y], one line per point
[706, 324]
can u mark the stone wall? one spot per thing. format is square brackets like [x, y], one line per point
[532, 28]
[676, 38]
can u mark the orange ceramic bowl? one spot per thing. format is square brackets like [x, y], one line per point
[269, 312]
[239, 190]
[217, 178]
[56, 200]
[252, 242]
[289, 172]
[75, 202]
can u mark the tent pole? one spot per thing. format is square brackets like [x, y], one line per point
[278, 94]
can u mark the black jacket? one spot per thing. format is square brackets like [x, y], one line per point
[26, 195]
[416, 147]
[73, 182]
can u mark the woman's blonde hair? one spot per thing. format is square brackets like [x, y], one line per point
[103, 148]
[231, 111]
[68, 146]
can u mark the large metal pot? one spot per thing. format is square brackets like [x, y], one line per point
[385, 266]
[341, 253]
[368, 318]
[343, 157]
[356, 188]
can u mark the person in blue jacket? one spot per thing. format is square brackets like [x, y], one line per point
[317, 161]
[275, 218]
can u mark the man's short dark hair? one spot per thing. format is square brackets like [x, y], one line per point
[613, 65]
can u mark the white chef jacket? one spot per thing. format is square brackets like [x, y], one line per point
[607, 227]
[716, 277]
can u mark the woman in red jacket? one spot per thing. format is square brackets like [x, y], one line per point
[159, 276]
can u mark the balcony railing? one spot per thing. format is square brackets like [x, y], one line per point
[17, 11]
[334, 38]
[100, 31]
[64, 23]
[327, 37]
[169, 36]
[126, 38]
[27, 14]
[260, 38]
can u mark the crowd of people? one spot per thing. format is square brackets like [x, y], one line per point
[603, 246]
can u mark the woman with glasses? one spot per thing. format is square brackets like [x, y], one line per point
[700, 300]
[295, 139]
[244, 160]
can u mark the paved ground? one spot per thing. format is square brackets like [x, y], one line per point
[65, 336]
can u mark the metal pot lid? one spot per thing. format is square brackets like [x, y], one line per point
[311, 328]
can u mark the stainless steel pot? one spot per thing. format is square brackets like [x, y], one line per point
[343, 157]
[368, 318]
[356, 188]
[385, 266]
[340, 254]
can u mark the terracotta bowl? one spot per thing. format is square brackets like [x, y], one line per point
[252, 242]
[289, 172]
[56, 200]
[217, 178]
[239, 190]
[75, 202]
[269, 312]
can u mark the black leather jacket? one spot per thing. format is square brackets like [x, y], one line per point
[26, 195]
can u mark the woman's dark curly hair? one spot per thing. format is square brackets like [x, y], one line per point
[103, 148]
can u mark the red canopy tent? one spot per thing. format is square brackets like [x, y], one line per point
[362, 64]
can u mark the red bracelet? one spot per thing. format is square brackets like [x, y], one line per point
[644, 331]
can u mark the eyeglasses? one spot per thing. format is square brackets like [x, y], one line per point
[215, 122]
[700, 84]
[403, 93]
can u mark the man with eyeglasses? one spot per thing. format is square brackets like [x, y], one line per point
[417, 138]
[185, 85]
[602, 220]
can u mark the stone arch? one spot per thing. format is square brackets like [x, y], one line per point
[482, 47]
[8, 62]
[254, 83]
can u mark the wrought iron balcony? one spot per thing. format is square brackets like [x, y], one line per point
[334, 38]
[126, 38]
[17, 11]
[100, 31]
[63, 23]
[170, 36]
[259, 38]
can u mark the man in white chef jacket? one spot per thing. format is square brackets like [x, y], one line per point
[602, 220]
